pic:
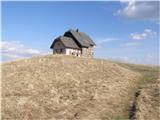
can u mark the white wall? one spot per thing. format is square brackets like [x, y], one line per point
[74, 52]
[68, 51]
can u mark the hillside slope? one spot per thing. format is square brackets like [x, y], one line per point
[148, 106]
[56, 87]
[146, 102]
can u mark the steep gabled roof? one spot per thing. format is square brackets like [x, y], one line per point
[87, 38]
[74, 39]
[67, 42]
[83, 39]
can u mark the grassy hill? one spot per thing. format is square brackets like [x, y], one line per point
[56, 87]
[145, 104]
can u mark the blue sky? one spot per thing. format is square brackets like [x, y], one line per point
[120, 32]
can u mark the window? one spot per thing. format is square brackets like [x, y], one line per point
[61, 50]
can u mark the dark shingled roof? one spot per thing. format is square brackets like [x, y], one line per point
[75, 39]
[67, 42]
[83, 39]
[87, 39]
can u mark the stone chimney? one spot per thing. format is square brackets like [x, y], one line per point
[77, 30]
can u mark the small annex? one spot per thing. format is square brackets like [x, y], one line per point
[73, 42]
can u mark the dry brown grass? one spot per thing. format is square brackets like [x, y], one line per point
[65, 88]
[148, 106]
[146, 101]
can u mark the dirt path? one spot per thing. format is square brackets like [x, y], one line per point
[145, 103]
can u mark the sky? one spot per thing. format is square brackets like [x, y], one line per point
[123, 31]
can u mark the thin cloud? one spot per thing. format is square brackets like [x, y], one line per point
[131, 44]
[140, 10]
[106, 40]
[15, 50]
[100, 43]
[148, 33]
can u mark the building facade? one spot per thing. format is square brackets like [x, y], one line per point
[73, 43]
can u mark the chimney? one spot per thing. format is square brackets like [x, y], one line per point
[77, 30]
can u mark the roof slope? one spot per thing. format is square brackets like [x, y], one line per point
[74, 39]
[67, 42]
[83, 39]
[87, 38]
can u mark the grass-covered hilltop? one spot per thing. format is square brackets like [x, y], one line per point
[57, 87]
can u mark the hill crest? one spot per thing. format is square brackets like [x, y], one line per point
[65, 87]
